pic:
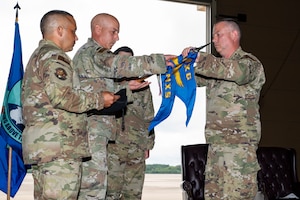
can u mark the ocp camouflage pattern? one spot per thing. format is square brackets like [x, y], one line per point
[54, 125]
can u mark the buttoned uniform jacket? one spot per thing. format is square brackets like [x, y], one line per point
[52, 107]
[233, 90]
[97, 68]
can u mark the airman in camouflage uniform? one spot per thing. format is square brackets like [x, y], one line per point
[127, 154]
[97, 67]
[233, 128]
[55, 138]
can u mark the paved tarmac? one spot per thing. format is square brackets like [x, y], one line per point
[156, 187]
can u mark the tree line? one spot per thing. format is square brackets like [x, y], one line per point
[163, 169]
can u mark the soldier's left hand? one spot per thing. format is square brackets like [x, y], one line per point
[137, 84]
[109, 98]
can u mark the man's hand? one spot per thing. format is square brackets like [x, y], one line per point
[137, 84]
[109, 98]
[186, 51]
[168, 59]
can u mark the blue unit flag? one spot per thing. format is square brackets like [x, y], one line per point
[11, 125]
[177, 81]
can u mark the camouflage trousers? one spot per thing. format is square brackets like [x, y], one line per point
[126, 172]
[57, 180]
[94, 171]
[231, 172]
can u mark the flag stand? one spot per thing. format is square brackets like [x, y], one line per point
[9, 173]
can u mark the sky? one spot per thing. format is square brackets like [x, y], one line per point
[147, 26]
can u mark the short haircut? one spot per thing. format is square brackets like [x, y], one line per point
[232, 23]
[47, 19]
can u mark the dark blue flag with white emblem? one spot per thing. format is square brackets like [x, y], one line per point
[11, 126]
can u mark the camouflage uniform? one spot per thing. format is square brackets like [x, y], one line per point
[233, 127]
[97, 67]
[126, 158]
[54, 139]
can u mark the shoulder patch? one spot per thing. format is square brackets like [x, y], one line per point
[61, 74]
[61, 58]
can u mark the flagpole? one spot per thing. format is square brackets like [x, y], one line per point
[9, 172]
[17, 7]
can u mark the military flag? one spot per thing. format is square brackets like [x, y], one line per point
[11, 126]
[177, 81]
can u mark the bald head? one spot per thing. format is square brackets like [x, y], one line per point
[105, 30]
[103, 19]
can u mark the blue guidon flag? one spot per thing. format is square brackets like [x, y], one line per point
[177, 81]
[12, 125]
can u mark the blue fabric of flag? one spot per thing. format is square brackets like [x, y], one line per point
[11, 126]
[177, 81]
[186, 84]
[168, 94]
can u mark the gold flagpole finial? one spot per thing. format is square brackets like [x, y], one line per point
[17, 7]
